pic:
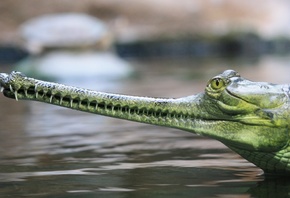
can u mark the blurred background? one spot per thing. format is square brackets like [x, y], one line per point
[160, 48]
[227, 32]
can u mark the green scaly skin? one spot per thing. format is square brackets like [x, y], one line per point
[249, 117]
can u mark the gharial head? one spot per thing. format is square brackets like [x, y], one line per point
[249, 117]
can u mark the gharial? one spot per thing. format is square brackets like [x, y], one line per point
[251, 118]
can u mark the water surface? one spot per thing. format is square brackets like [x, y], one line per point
[49, 151]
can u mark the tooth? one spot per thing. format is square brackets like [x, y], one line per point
[36, 92]
[71, 102]
[1, 89]
[25, 92]
[11, 88]
[15, 94]
[50, 99]
[60, 102]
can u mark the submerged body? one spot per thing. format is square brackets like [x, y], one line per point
[249, 117]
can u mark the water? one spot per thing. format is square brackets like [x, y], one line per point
[48, 151]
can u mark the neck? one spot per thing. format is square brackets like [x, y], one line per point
[270, 162]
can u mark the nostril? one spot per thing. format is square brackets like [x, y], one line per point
[265, 114]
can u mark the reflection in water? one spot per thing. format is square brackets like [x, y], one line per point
[51, 151]
[271, 187]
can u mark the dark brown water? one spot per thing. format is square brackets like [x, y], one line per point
[49, 151]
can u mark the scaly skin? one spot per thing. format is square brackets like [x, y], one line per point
[249, 117]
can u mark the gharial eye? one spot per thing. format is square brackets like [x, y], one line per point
[217, 83]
